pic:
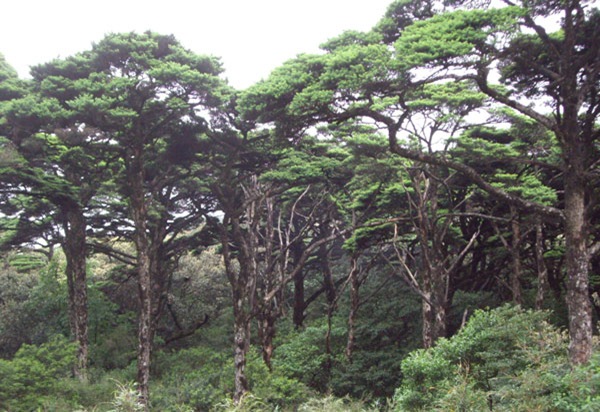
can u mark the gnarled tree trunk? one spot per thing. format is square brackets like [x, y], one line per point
[75, 250]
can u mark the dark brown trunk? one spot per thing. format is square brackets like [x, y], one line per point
[328, 351]
[577, 262]
[242, 345]
[330, 293]
[267, 336]
[145, 329]
[354, 305]
[542, 270]
[75, 253]
[299, 296]
[515, 253]
[299, 300]
[243, 285]
[576, 145]
[139, 215]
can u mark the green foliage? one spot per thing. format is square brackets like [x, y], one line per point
[388, 327]
[274, 388]
[303, 356]
[333, 404]
[509, 359]
[111, 334]
[26, 262]
[145, 100]
[197, 378]
[34, 306]
[34, 373]
[126, 398]
[248, 403]
[451, 38]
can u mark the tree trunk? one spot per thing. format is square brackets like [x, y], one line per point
[434, 320]
[330, 293]
[145, 329]
[299, 297]
[267, 329]
[243, 286]
[577, 145]
[515, 254]
[75, 253]
[139, 215]
[354, 305]
[242, 345]
[577, 262]
[542, 270]
[299, 302]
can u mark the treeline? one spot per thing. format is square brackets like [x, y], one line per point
[450, 151]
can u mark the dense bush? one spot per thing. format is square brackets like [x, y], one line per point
[197, 378]
[506, 359]
[33, 306]
[35, 374]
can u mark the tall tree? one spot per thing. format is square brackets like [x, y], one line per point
[560, 68]
[271, 199]
[371, 76]
[51, 157]
[147, 95]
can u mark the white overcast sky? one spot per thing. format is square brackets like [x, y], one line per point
[252, 37]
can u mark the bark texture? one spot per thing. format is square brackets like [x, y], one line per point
[542, 269]
[75, 252]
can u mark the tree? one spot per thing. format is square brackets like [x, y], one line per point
[270, 198]
[372, 76]
[49, 158]
[144, 93]
[562, 70]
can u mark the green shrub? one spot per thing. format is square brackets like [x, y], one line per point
[248, 403]
[303, 358]
[35, 373]
[126, 398]
[274, 388]
[333, 404]
[506, 359]
[196, 378]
